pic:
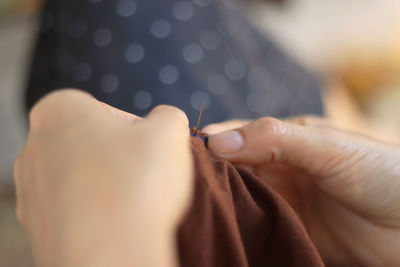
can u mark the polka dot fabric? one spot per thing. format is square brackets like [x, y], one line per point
[135, 54]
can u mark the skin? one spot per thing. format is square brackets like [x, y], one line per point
[88, 191]
[88, 170]
[345, 187]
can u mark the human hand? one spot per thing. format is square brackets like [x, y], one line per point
[100, 187]
[345, 187]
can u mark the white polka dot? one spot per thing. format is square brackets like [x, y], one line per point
[183, 10]
[202, 2]
[235, 69]
[168, 74]
[82, 72]
[257, 102]
[109, 83]
[126, 8]
[217, 84]
[198, 98]
[210, 40]
[259, 78]
[160, 28]
[193, 53]
[102, 37]
[134, 53]
[77, 27]
[142, 100]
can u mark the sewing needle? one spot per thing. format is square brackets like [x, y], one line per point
[199, 119]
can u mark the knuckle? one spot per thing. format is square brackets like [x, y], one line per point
[175, 114]
[179, 113]
[55, 109]
[268, 126]
[41, 113]
[168, 109]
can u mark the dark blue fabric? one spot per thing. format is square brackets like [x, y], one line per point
[138, 54]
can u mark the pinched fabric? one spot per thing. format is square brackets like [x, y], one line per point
[237, 220]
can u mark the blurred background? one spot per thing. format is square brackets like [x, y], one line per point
[352, 45]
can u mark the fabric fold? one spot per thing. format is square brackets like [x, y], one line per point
[235, 219]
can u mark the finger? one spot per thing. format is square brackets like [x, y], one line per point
[344, 166]
[171, 126]
[269, 140]
[169, 119]
[224, 126]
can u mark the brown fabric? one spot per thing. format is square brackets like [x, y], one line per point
[237, 220]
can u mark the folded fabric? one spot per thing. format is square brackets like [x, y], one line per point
[235, 219]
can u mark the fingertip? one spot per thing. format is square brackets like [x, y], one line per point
[170, 114]
[226, 143]
[254, 142]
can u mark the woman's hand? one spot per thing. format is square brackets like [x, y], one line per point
[345, 187]
[100, 187]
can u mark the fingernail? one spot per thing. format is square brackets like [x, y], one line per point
[226, 142]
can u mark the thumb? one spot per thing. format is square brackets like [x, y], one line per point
[322, 151]
[269, 140]
[357, 170]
